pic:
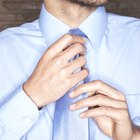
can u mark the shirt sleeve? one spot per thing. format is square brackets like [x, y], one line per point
[133, 102]
[17, 115]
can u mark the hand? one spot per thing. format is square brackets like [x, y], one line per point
[54, 74]
[108, 108]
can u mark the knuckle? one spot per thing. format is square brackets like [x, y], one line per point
[68, 37]
[67, 82]
[80, 61]
[57, 61]
[79, 46]
[98, 83]
[63, 72]
[105, 110]
[86, 72]
[82, 103]
[78, 104]
[99, 97]
[79, 88]
[84, 60]
[122, 97]
[102, 109]
[125, 113]
[49, 53]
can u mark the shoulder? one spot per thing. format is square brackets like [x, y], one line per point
[125, 22]
[124, 25]
[27, 29]
[19, 38]
[20, 43]
[124, 29]
[19, 50]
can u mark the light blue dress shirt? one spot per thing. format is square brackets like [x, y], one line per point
[116, 61]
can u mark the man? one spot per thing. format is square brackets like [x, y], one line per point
[71, 75]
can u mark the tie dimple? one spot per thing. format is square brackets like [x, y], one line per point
[77, 31]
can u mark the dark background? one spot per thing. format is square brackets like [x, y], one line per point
[16, 12]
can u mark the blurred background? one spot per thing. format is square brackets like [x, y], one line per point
[16, 12]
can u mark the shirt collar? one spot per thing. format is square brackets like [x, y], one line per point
[94, 26]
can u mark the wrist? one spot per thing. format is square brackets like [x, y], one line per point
[32, 95]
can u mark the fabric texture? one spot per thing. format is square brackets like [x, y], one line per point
[113, 58]
[66, 117]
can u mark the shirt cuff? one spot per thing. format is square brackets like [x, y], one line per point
[19, 113]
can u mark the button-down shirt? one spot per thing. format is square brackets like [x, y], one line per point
[116, 51]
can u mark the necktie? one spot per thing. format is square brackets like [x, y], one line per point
[67, 124]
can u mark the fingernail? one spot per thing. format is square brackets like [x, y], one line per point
[72, 107]
[71, 94]
[85, 39]
[82, 115]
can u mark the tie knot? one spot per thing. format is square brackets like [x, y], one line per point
[77, 31]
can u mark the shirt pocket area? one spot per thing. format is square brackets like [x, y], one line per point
[133, 102]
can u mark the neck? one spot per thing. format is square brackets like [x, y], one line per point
[71, 14]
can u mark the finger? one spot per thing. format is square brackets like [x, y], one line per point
[98, 87]
[76, 65]
[62, 44]
[72, 51]
[79, 76]
[98, 100]
[118, 115]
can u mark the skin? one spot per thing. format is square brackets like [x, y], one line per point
[54, 68]
[70, 14]
[108, 106]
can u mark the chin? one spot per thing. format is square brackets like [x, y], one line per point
[89, 3]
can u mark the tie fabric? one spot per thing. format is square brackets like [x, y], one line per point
[67, 124]
[77, 31]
